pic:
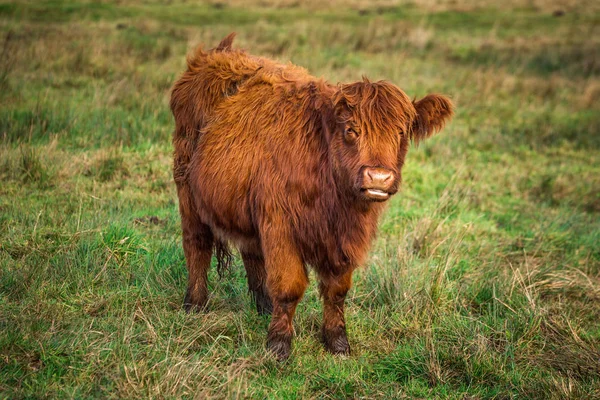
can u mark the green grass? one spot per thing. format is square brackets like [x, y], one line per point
[484, 281]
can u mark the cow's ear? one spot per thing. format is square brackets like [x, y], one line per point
[337, 114]
[341, 108]
[329, 122]
[433, 111]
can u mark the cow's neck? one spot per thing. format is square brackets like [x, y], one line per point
[353, 225]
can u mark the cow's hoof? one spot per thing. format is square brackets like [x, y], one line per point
[280, 346]
[193, 303]
[336, 342]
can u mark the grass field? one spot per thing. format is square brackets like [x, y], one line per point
[484, 281]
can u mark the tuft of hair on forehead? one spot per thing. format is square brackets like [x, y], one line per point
[378, 106]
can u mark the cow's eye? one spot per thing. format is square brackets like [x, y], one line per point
[350, 136]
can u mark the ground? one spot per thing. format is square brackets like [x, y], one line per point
[484, 281]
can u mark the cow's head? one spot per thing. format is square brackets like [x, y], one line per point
[374, 121]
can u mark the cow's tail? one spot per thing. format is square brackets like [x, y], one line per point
[223, 256]
[226, 42]
[199, 58]
[194, 97]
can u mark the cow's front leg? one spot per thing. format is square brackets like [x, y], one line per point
[333, 291]
[286, 282]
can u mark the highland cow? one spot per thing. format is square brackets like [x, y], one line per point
[291, 170]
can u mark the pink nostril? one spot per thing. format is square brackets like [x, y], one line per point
[378, 177]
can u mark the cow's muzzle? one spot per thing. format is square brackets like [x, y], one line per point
[378, 184]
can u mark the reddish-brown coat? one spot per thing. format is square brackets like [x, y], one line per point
[292, 171]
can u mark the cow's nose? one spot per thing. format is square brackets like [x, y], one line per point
[377, 178]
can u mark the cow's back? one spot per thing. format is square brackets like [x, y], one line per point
[209, 79]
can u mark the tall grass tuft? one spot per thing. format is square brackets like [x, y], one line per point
[31, 168]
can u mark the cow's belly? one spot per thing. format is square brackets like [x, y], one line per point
[221, 191]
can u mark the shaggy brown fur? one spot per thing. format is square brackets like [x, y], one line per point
[291, 170]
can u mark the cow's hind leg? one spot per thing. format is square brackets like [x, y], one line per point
[197, 246]
[333, 291]
[257, 282]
